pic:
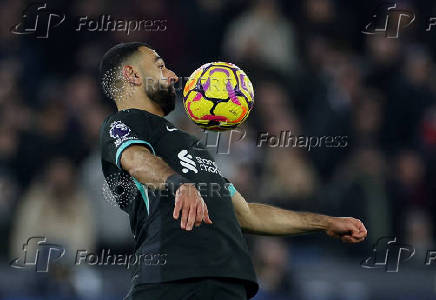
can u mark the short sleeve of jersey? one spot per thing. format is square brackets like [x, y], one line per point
[230, 187]
[126, 128]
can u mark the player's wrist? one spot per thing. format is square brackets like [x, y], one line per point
[320, 222]
[328, 223]
[174, 182]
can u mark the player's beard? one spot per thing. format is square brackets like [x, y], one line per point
[164, 97]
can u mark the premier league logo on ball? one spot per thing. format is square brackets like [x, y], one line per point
[119, 131]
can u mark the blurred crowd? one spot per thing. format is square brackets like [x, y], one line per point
[314, 73]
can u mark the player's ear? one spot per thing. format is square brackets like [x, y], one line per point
[131, 75]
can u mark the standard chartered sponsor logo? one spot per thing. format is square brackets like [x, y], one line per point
[202, 164]
[187, 162]
[207, 165]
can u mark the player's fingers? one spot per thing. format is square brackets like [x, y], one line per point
[351, 239]
[359, 235]
[191, 217]
[199, 215]
[333, 234]
[360, 240]
[185, 214]
[206, 217]
[362, 228]
[359, 230]
[177, 207]
[357, 240]
[347, 239]
[352, 227]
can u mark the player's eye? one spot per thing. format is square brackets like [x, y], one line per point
[161, 67]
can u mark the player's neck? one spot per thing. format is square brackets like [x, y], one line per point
[143, 104]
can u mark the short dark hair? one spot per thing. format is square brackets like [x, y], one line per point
[113, 58]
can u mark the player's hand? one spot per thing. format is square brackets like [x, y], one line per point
[349, 230]
[193, 208]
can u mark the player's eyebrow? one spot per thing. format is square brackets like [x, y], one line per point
[158, 58]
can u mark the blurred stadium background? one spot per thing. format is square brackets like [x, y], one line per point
[314, 73]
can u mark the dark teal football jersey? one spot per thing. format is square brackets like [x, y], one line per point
[210, 250]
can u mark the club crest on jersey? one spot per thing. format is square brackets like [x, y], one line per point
[120, 132]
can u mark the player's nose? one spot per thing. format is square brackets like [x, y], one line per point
[172, 77]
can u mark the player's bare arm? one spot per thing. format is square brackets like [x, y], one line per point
[268, 220]
[154, 172]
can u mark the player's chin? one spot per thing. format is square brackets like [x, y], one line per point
[168, 92]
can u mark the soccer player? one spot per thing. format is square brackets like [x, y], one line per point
[192, 241]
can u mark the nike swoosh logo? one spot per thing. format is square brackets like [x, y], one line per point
[171, 129]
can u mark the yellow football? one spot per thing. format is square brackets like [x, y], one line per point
[218, 96]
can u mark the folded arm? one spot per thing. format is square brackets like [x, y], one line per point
[153, 171]
[268, 220]
[147, 168]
